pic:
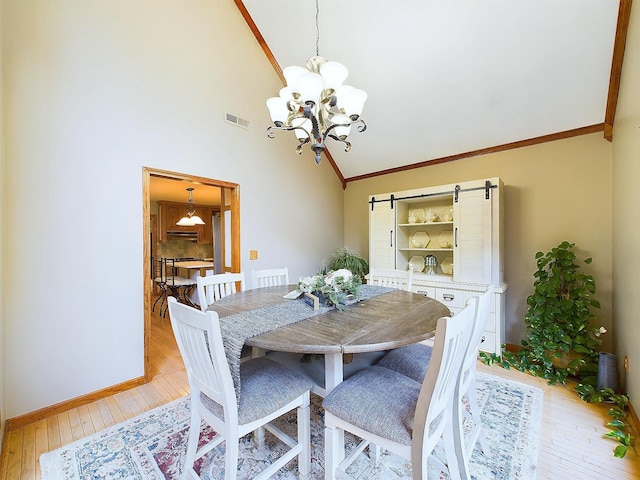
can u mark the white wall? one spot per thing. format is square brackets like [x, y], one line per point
[626, 200]
[94, 91]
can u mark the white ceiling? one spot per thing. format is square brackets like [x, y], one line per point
[449, 77]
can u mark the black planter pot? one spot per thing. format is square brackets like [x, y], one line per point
[607, 371]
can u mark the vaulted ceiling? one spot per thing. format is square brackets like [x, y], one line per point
[449, 79]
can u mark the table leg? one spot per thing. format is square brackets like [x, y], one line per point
[333, 371]
[333, 376]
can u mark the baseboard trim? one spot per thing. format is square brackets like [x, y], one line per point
[510, 347]
[633, 419]
[36, 415]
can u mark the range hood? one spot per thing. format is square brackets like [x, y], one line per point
[176, 234]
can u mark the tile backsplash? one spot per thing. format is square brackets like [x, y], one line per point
[180, 248]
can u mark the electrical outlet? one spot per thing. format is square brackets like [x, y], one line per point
[626, 363]
[253, 254]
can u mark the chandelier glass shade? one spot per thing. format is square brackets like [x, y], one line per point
[315, 104]
[190, 219]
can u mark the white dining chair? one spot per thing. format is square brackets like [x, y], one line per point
[268, 390]
[414, 360]
[215, 287]
[411, 421]
[271, 277]
[392, 278]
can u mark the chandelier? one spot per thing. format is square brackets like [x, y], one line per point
[190, 219]
[315, 104]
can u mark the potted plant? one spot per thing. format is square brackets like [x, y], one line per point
[343, 258]
[562, 338]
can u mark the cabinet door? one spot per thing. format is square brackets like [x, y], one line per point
[382, 236]
[205, 232]
[172, 214]
[472, 237]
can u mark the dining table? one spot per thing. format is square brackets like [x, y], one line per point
[198, 265]
[292, 332]
[289, 330]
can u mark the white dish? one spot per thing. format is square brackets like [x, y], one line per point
[416, 215]
[420, 240]
[446, 239]
[447, 266]
[416, 263]
[431, 216]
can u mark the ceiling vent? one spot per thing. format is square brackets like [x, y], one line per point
[236, 120]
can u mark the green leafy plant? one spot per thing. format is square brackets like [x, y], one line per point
[621, 429]
[561, 337]
[343, 258]
[334, 287]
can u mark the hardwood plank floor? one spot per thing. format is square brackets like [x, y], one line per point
[572, 445]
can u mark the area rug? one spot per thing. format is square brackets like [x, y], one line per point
[151, 446]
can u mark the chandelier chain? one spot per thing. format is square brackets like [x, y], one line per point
[317, 28]
[315, 104]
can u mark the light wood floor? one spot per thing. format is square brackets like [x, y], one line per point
[572, 446]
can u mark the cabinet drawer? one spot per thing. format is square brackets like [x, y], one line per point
[488, 342]
[426, 291]
[451, 298]
[490, 326]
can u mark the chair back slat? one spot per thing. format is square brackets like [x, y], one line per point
[400, 279]
[200, 343]
[214, 287]
[271, 277]
[434, 411]
[483, 310]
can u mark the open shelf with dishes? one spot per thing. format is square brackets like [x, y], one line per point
[451, 236]
[424, 235]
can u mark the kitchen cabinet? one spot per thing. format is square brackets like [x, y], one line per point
[452, 237]
[169, 213]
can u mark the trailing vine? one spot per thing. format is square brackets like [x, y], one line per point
[560, 325]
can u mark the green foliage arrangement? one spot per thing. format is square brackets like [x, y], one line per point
[561, 325]
[621, 429]
[333, 288]
[343, 258]
[560, 321]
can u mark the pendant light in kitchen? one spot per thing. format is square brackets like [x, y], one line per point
[190, 219]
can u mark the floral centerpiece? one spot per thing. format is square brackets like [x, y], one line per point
[334, 288]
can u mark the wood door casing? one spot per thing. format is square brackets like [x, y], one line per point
[233, 193]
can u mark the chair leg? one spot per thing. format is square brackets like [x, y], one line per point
[477, 420]
[333, 456]
[231, 457]
[451, 453]
[304, 437]
[160, 297]
[164, 306]
[258, 435]
[460, 457]
[192, 444]
[376, 451]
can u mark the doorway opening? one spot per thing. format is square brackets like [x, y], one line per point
[224, 200]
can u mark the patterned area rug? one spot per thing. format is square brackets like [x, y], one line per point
[151, 446]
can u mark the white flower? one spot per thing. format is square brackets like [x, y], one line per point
[343, 273]
[306, 284]
[603, 330]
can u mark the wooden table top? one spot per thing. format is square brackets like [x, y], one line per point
[193, 264]
[380, 323]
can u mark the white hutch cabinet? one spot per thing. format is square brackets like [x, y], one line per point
[452, 237]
